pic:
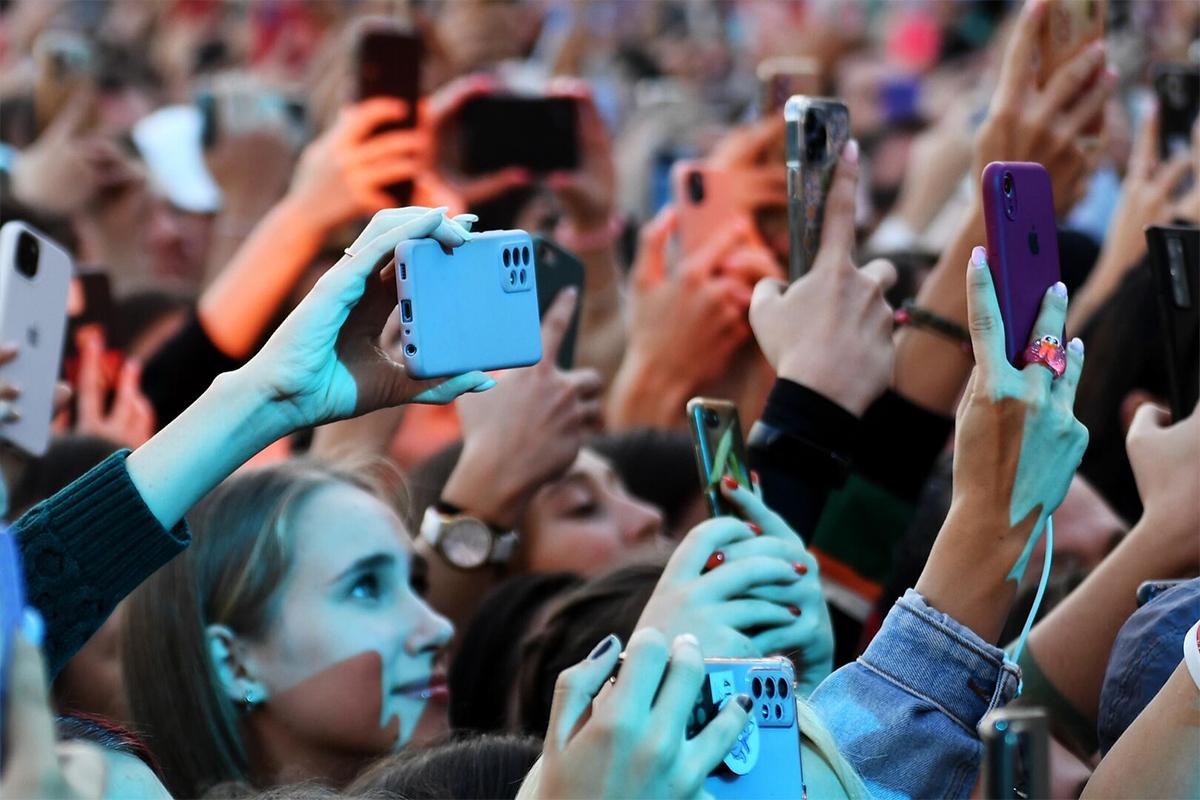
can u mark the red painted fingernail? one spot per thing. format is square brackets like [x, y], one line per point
[754, 477]
[756, 530]
[801, 569]
[730, 482]
[795, 611]
[714, 561]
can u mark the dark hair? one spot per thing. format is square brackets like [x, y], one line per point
[67, 458]
[107, 734]
[241, 551]
[609, 603]
[484, 670]
[138, 312]
[658, 466]
[469, 768]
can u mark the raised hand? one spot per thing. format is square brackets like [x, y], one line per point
[630, 741]
[1017, 445]
[832, 329]
[527, 430]
[1025, 123]
[324, 362]
[345, 173]
[686, 322]
[129, 421]
[1164, 457]
[587, 194]
[745, 589]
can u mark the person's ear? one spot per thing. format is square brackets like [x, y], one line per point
[235, 670]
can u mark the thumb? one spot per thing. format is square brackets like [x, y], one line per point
[1149, 418]
[650, 268]
[766, 292]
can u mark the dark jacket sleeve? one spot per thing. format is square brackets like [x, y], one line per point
[797, 479]
[87, 547]
[182, 369]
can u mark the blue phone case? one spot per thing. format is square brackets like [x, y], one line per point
[765, 762]
[474, 308]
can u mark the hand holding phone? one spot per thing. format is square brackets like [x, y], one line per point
[540, 134]
[34, 276]
[1022, 247]
[389, 65]
[1071, 26]
[472, 308]
[817, 130]
[1175, 262]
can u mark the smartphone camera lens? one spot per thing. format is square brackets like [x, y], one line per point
[1006, 184]
[28, 251]
[524, 258]
[770, 686]
[711, 419]
[756, 687]
[814, 136]
[523, 277]
[695, 187]
[507, 257]
[778, 711]
[783, 689]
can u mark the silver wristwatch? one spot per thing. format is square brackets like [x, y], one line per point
[465, 541]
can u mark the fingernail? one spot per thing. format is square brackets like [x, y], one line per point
[715, 560]
[730, 482]
[571, 292]
[33, 627]
[754, 476]
[1110, 75]
[485, 385]
[979, 257]
[686, 638]
[744, 701]
[468, 217]
[801, 569]
[794, 611]
[850, 152]
[1076, 345]
[1060, 290]
[755, 529]
[605, 645]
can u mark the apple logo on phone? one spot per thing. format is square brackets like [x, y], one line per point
[1033, 242]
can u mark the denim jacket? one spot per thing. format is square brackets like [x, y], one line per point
[905, 714]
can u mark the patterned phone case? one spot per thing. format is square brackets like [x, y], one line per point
[810, 169]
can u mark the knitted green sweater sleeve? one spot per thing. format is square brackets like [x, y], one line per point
[87, 547]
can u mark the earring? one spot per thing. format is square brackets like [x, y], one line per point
[250, 699]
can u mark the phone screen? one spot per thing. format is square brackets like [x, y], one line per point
[720, 449]
[538, 133]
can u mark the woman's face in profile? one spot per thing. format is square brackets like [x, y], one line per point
[351, 662]
[586, 521]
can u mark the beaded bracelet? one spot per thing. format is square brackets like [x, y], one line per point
[923, 319]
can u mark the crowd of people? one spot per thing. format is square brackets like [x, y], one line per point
[230, 550]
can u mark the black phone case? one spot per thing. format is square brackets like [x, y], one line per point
[1178, 89]
[538, 133]
[1175, 261]
[389, 65]
[557, 268]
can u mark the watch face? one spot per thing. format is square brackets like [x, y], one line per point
[466, 543]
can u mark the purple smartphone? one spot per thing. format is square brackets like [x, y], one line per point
[1022, 244]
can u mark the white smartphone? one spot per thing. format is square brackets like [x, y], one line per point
[35, 273]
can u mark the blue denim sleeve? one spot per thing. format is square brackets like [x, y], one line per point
[905, 714]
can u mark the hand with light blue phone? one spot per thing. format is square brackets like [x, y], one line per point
[471, 308]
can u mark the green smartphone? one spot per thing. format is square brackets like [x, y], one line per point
[720, 450]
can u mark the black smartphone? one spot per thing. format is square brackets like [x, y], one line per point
[538, 133]
[557, 268]
[1016, 754]
[720, 449]
[1178, 89]
[1175, 261]
[389, 65]
[1148, 590]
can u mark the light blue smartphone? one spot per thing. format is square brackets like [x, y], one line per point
[765, 761]
[474, 307]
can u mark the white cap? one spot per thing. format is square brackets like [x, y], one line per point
[170, 143]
